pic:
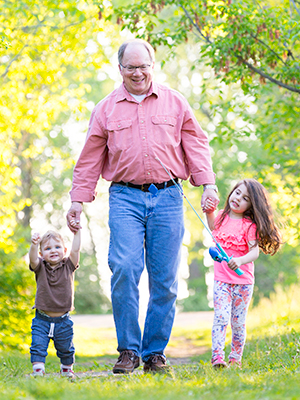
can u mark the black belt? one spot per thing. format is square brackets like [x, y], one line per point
[146, 186]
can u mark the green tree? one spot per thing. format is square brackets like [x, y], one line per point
[242, 38]
[49, 50]
[242, 77]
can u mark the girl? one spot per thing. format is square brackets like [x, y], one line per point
[244, 227]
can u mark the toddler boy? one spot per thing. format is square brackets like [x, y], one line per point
[54, 300]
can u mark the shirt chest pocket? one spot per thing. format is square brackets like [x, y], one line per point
[164, 129]
[119, 134]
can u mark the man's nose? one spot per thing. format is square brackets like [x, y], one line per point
[137, 71]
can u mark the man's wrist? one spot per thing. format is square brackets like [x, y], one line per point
[210, 186]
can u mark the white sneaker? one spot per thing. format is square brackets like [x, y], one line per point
[38, 372]
[67, 372]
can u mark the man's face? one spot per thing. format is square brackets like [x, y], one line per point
[136, 82]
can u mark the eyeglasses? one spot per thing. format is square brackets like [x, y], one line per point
[131, 68]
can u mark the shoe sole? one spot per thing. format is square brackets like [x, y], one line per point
[124, 371]
[219, 366]
[163, 370]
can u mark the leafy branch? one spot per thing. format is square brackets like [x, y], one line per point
[12, 60]
[232, 33]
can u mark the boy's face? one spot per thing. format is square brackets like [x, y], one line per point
[53, 251]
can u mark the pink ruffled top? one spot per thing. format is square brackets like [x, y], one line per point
[234, 235]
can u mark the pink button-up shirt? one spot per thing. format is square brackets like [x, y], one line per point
[125, 137]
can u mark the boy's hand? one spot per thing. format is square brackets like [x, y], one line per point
[74, 224]
[35, 238]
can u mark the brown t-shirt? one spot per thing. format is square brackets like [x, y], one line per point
[55, 286]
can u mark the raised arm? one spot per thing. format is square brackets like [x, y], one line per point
[75, 249]
[208, 208]
[34, 250]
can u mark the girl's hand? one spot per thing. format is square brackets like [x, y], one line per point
[234, 263]
[35, 238]
[209, 206]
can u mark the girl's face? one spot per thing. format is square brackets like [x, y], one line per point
[53, 251]
[239, 201]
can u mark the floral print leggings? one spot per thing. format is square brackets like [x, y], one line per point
[230, 300]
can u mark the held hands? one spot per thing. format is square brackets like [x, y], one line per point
[35, 238]
[209, 201]
[209, 206]
[73, 217]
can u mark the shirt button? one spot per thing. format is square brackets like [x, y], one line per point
[146, 155]
[119, 126]
[148, 173]
[144, 138]
[165, 120]
[140, 105]
[142, 122]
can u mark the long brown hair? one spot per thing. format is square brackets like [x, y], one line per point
[260, 213]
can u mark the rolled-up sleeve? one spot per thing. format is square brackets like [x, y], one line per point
[196, 148]
[90, 163]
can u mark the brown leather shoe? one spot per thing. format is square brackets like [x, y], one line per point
[126, 363]
[157, 363]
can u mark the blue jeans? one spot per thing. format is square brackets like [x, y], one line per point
[60, 329]
[144, 228]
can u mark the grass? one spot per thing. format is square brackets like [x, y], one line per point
[271, 364]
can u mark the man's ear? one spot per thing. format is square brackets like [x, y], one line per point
[120, 70]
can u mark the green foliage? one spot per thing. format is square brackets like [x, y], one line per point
[244, 143]
[16, 300]
[45, 63]
[89, 298]
[241, 39]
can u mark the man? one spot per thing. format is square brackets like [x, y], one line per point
[131, 130]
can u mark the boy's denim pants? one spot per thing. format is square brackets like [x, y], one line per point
[144, 229]
[60, 330]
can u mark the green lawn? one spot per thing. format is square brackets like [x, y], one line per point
[271, 364]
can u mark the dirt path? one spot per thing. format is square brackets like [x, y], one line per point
[182, 320]
[180, 348]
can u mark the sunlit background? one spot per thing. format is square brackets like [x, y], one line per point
[57, 62]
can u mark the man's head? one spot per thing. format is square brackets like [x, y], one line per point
[136, 53]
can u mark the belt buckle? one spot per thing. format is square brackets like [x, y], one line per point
[142, 188]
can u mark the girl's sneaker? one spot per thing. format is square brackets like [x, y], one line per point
[218, 362]
[235, 363]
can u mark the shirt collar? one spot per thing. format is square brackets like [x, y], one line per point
[122, 93]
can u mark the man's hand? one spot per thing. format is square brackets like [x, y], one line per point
[73, 216]
[209, 201]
